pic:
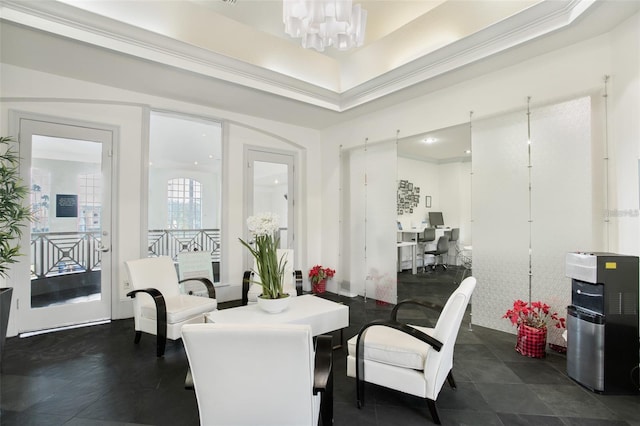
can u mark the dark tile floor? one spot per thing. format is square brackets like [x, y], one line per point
[97, 376]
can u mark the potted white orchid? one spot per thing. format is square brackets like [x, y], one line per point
[263, 227]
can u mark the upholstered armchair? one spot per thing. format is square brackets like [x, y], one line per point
[292, 280]
[260, 374]
[408, 358]
[158, 306]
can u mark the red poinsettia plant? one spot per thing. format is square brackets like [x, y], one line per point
[318, 273]
[533, 314]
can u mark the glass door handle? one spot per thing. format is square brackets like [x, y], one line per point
[102, 248]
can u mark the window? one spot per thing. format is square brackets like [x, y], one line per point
[185, 181]
[184, 204]
[89, 202]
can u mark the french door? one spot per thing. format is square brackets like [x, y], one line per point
[270, 188]
[65, 276]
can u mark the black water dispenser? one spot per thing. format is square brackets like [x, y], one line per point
[602, 322]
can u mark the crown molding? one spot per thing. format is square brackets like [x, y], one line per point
[77, 24]
[536, 21]
[74, 23]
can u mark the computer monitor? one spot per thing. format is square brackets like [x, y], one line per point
[435, 219]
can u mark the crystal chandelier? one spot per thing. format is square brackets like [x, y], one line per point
[323, 23]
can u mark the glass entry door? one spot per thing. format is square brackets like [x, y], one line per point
[271, 189]
[66, 274]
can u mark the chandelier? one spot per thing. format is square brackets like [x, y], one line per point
[323, 23]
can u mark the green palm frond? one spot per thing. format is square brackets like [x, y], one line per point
[13, 214]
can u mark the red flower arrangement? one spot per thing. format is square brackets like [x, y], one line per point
[318, 276]
[534, 314]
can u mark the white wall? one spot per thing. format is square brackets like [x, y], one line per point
[624, 137]
[455, 194]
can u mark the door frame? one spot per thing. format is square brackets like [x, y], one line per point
[15, 117]
[250, 151]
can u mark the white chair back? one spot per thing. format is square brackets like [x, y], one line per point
[446, 331]
[252, 374]
[155, 272]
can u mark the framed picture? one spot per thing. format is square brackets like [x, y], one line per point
[427, 201]
[66, 205]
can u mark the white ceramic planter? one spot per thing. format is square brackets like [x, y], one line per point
[273, 306]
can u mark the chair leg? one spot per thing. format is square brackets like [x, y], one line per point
[136, 340]
[161, 344]
[161, 330]
[451, 381]
[359, 392]
[434, 411]
[326, 403]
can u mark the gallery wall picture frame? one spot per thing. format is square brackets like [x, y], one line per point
[427, 201]
[408, 197]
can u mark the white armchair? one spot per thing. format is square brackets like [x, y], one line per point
[260, 374]
[159, 307]
[410, 359]
[292, 280]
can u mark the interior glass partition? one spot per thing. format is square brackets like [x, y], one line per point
[533, 201]
[368, 182]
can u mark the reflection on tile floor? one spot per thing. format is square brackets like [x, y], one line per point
[97, 376]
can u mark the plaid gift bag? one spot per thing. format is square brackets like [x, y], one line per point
[531, 341]
[319, 287]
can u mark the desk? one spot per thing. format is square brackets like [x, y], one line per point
[412, 244]
[416, 231]
[408, 236]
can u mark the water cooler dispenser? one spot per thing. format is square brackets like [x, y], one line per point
[602, 322]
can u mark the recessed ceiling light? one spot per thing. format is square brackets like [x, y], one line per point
[195, 163]
[429, 140]
[276, 181]
[468, 151]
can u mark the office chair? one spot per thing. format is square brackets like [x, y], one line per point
[442, 248]
[428, 235]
